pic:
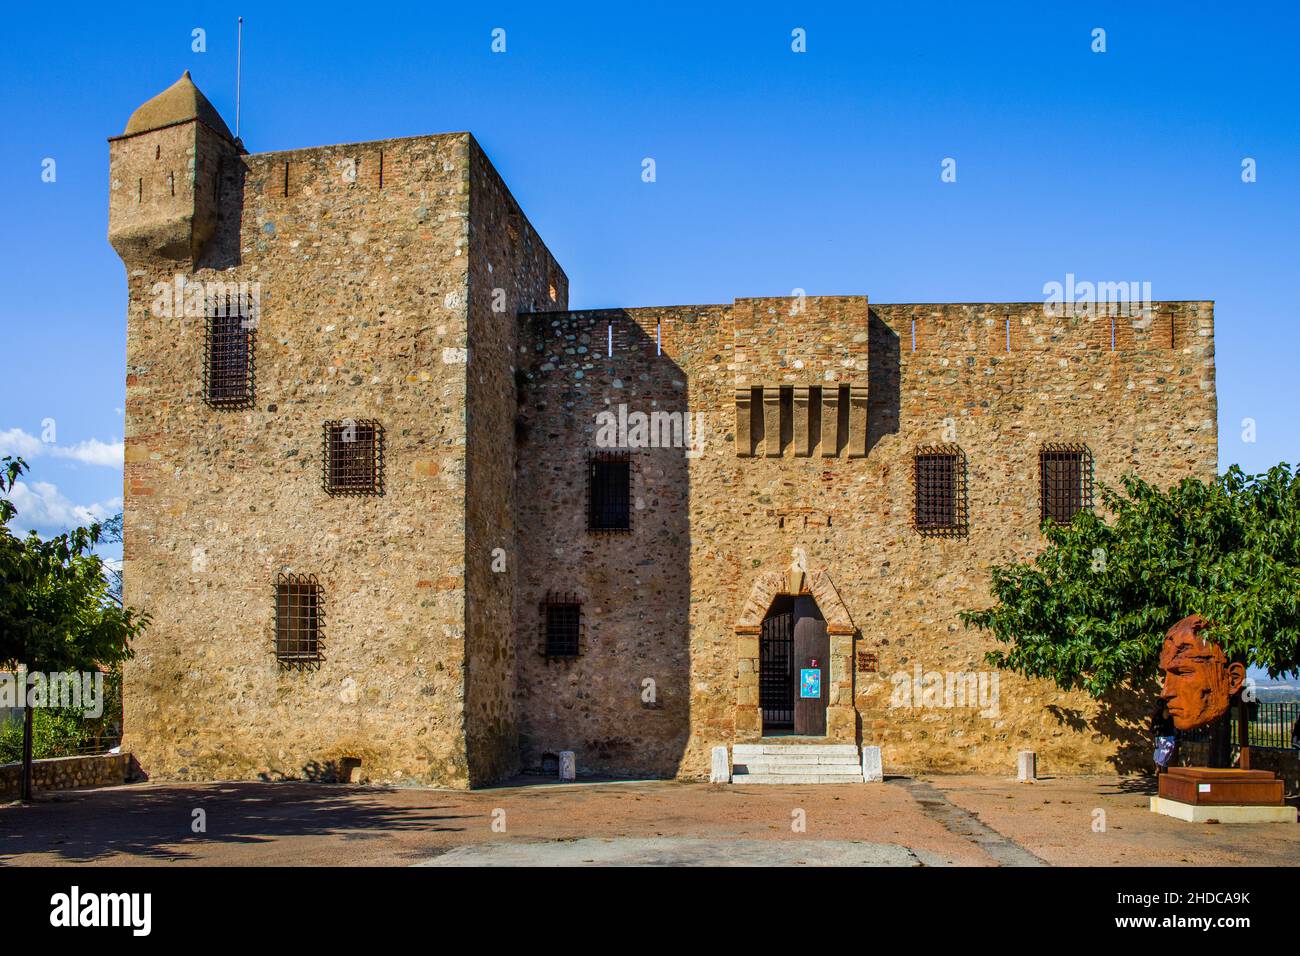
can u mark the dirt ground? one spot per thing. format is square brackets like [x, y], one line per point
[924, 821]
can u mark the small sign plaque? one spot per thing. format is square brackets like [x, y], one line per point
[810, 682]
[867, 662]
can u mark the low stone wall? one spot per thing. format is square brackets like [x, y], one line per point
[68, 773]
[1284, 763]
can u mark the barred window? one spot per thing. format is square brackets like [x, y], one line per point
[1065, 481]
[561, 625]
[228, 353]
[354, 457]
[609, 491]
[297, 619]
[939, 479]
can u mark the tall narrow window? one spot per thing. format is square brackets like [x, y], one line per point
[609, 491]
[228, 351]
[297, 619]
[939, 477]
[1065, 481]
[354, 457]
[561, 625]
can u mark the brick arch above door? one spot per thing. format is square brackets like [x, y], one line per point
[795, 581]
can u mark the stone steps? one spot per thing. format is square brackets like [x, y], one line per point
[778, 750]
[800, 759]
[779, 770]
[795, 763]
[792, 778]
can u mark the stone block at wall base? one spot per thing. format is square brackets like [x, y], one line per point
[720, 769]
[841, 724]
[748, 720]
[872, 767]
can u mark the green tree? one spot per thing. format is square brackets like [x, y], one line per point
[56, 609]
[1091, 611]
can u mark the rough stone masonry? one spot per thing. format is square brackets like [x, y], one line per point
[436, 604]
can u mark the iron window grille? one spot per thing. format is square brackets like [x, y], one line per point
[561, 625]
[609, 491]
[1065, 481]
[939, 501]
[298, 620]
[229, 353]
[353, 458]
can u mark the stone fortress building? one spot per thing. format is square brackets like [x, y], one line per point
[399, 514]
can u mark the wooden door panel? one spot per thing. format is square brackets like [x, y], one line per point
[811, 652]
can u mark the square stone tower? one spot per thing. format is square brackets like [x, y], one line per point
[320, 421]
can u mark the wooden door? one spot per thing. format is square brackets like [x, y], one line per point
[812, 674]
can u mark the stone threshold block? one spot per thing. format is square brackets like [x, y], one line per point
[1222, 813]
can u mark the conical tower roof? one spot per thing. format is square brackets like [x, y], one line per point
[179, 102]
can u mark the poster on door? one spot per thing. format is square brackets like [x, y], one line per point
[810, 682]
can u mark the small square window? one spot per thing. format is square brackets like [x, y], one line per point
[297, 619]
[609, 492]
[1065, 481]
[354, 457]
[939, 475]
[561, 625]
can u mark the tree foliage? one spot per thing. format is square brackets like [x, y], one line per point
[1090, 612]
[57, 609]
[56, 613]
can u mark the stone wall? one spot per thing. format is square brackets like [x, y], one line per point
[68, 773]
[510, 272]
[361, 254]
[667, 601]
[636, 587]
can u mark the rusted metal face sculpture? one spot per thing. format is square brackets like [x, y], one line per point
[1199, 680]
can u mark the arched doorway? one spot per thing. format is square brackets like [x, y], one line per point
[777, 591]
[794, 668]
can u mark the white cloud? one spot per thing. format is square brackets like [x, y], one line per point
[41, 506]
[93, 452]
[15, 441]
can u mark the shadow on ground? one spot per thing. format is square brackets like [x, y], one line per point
[1139, 783]
[158, 822]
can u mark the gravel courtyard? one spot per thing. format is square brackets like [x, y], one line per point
[922, 821]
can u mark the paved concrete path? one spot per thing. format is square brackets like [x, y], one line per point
[676, 851]
[967, 825]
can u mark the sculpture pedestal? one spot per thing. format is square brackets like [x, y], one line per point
[1203, 786]
[1222, 813]
[1201, 794]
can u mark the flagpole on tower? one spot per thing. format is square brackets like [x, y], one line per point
[239, 62]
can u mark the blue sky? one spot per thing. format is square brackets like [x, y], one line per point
[775, 170]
